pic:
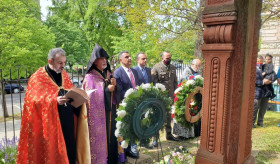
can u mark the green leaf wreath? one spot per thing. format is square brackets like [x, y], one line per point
[180, 96]
[134, 99]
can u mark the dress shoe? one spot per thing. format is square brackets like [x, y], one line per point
[129, 153]
[172, 138]
[261, 125]
[146, 145]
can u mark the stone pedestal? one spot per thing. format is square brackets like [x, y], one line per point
[230, 50]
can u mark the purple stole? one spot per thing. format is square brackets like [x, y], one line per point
[96, 117]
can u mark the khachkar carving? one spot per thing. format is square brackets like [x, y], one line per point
[217, 50]
[213, 104]
[229, 51]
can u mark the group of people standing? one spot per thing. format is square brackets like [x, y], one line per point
[53, 131]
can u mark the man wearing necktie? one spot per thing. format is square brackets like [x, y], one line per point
[126, 78]
[144, 73]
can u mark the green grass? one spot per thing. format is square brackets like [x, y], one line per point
[267, 140]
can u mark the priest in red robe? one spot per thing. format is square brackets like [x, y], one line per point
[52, 130]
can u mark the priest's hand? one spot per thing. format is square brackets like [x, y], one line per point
[113, 81]
[62, 100]
[111, 88]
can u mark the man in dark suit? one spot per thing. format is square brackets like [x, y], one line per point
[126, 78]
[144, 73]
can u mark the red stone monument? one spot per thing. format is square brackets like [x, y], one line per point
[231, 44]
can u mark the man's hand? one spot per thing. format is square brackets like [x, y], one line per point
[266, 81]
[111, 88]
[263, 73]
[113, 81]
[62, 100]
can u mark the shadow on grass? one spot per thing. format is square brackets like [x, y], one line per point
[265, 156]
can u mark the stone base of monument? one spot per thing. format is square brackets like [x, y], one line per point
[143, 159]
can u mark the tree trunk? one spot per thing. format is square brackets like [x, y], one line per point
[3, 100]
[199, 39]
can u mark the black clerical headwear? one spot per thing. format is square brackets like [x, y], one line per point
[97, 52]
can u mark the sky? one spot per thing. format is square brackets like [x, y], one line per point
[44, 4]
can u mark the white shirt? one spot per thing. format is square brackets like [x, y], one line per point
[126, 70]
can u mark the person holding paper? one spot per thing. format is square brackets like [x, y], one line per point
[47, 126]
[101, 108]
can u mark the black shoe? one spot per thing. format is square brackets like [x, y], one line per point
[261, 125]
[171, 138]
[130, 154]
[254, 126]
[155, 144]
[146, 145]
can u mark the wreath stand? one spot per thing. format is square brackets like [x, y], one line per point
[153, 129]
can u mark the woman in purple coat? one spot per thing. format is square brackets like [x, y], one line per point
[101, 108]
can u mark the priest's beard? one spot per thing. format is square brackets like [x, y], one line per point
[57, 70]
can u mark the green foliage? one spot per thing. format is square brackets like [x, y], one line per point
[146, 26]
[266, 140]
[98, 23]
[132, 101]
[71, 38]
[156, 26]
[8, 150]
[24, 40]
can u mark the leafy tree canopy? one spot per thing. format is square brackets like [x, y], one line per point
[71, 38]
[24, 40]
[98, 23]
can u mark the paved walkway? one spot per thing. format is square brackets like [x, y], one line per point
[10, 127]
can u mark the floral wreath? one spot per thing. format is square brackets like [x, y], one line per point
[138, 106]
[187, 101]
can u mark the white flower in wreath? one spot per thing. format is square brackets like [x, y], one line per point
[198, 77]
[121, 113]
[160, 86]
[128, 92]
[123, 104]
[146, 86]
[173, 109]
[190, 82]
[124, 144]
[117, 133]
[192, 103]
[147, 114]
[178, 90]
[119, 124]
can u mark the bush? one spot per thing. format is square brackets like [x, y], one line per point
[8, 150]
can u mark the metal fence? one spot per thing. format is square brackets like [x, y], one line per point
[13, 84]
[12, 99]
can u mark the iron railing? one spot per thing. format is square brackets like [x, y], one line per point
[10, 125]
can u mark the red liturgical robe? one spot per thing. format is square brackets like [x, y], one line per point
[41, 137]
